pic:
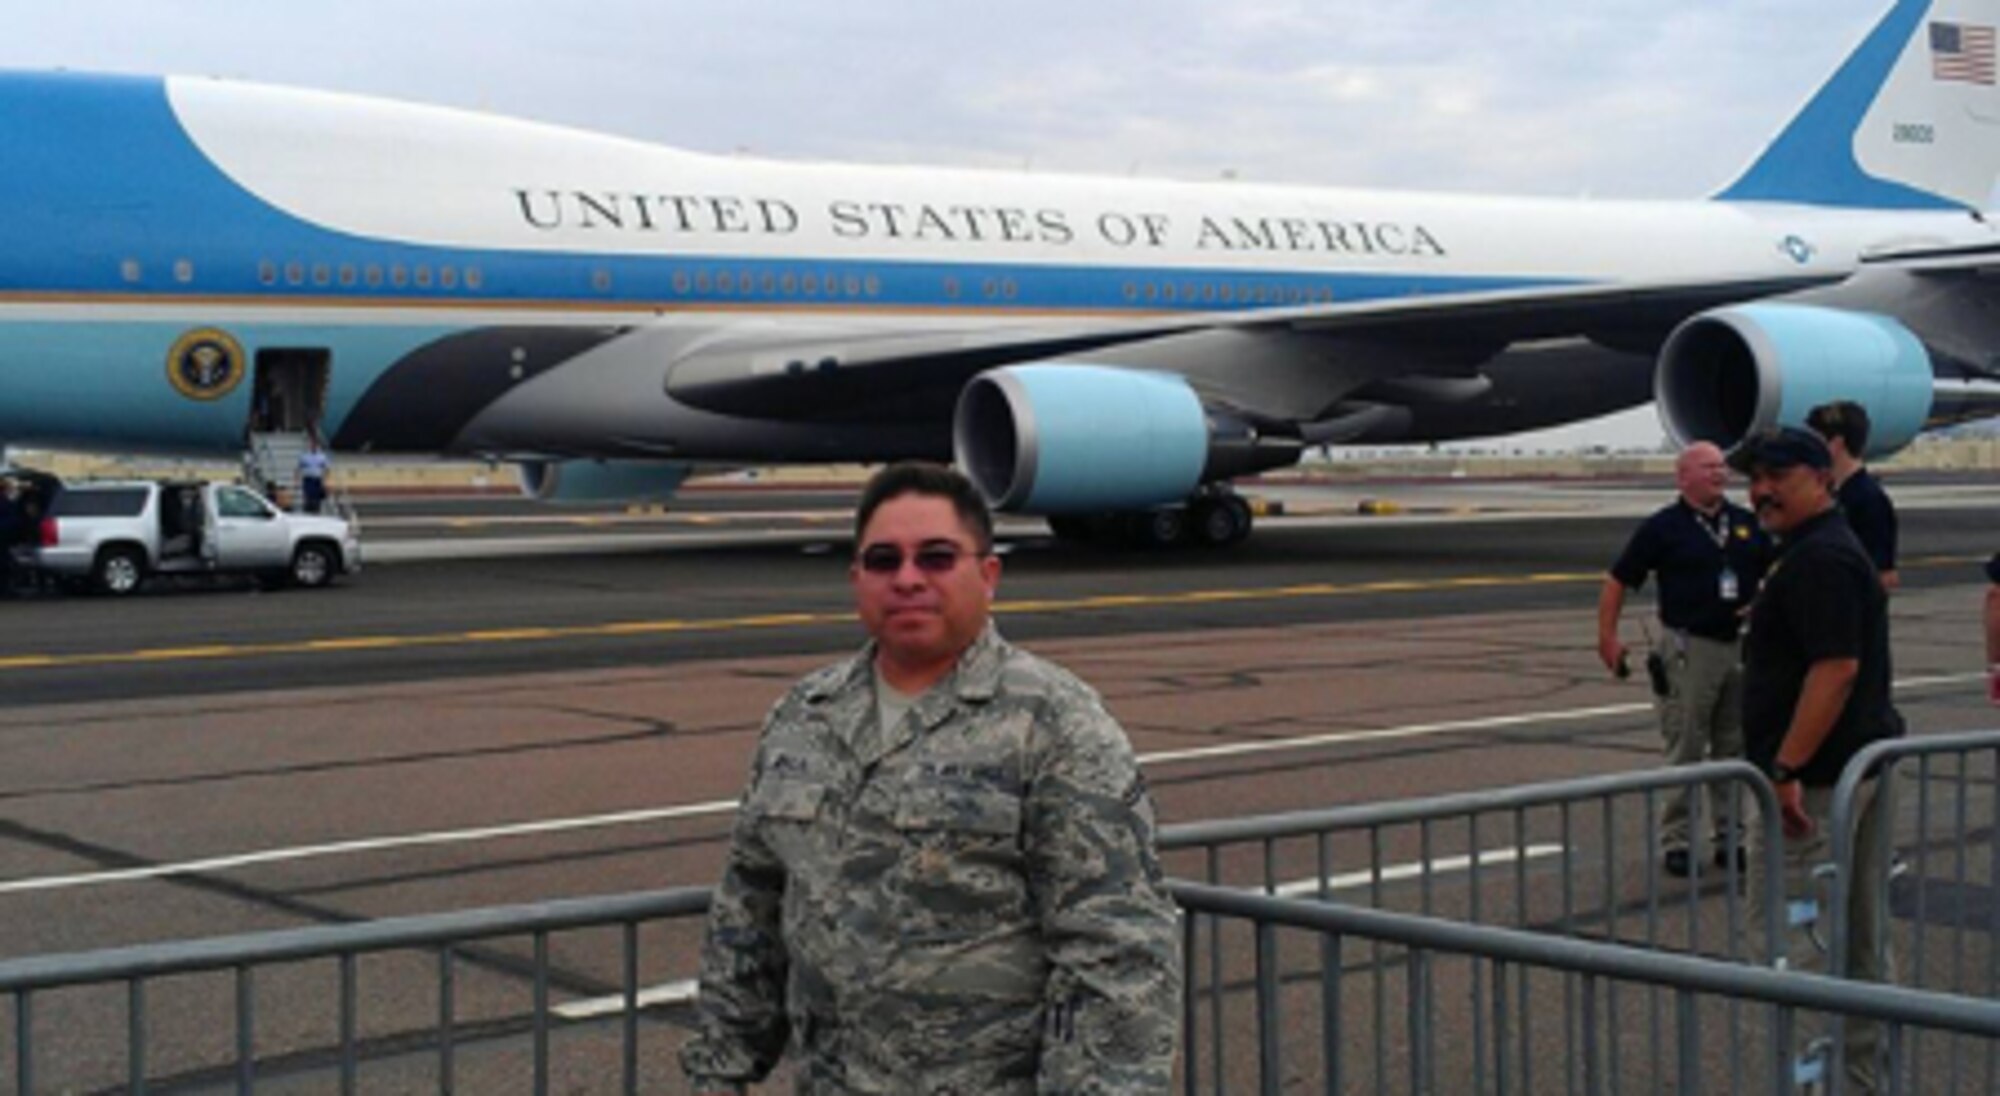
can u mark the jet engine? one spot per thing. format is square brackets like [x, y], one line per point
[1073, 439]
[575, 481]
[1730, 372]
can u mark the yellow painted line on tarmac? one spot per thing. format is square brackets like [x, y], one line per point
[354, 643]
[628, 628]
[798, 620]
[508, 635]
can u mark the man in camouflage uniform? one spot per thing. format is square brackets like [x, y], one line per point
[942, 878]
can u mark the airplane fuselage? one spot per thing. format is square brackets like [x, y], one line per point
[485, 286]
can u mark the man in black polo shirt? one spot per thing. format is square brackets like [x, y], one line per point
[1710, 556]
[1844, 426]
[1816, 679]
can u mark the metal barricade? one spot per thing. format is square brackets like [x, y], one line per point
[1474, 857]
[441, 1043]
[1939, 797]
[1555, 1025]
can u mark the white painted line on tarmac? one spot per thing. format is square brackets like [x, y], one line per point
[365, 845]
[1414, 730]
[666, 993]
[1419, 730]
[684, 989]
[725, 806]
[1354, 880]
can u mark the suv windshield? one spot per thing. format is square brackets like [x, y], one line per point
[99, 502]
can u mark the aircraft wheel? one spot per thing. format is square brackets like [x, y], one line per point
[1214, 523]
[1240, 516]
[1162, 528]
[118, 571]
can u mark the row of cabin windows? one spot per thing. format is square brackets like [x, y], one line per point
[1225, 293]
[726, 283]
[371, 275]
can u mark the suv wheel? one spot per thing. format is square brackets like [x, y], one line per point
[312, 566]
[119, 571]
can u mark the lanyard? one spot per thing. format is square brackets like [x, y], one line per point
[1717, 532]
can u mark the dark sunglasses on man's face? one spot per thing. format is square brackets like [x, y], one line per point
[931, 559]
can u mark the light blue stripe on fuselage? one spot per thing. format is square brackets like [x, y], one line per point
[103, 384]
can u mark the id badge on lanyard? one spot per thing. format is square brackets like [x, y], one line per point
[1726, 583]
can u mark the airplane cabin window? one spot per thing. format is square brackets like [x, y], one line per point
[423, 276]
[130, 270]
[322, 274]
[873, 286]
[183, 271]
[681, 282]
[347, 274]
[295, 273]
[373, 275]
[725, 283]
[475, 278]
[448, 277]
[789, 285]
[399, 276]
[267, 272]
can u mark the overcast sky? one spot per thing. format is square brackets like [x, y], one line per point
[1627, 98]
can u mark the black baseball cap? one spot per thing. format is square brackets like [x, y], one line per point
[1781, 447]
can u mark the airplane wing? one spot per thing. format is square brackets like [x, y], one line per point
[1977, 259]
[843, 374]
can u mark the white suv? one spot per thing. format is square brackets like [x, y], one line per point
[116, 534]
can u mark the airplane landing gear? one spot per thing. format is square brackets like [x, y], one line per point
[1213, 518]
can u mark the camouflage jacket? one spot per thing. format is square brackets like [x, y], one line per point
[970, 904]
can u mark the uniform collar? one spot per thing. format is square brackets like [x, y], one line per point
[974, 679]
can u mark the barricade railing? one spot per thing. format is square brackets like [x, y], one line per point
[1470, 857]
[474, 999]
[1297, 1026]
[1939, 798]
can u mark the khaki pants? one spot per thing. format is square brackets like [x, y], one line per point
[1701, 719]
[1868, 956]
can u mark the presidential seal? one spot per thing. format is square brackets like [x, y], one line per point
[205, 364]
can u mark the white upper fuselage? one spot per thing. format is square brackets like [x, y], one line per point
[445, 178]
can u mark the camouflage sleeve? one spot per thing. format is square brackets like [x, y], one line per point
[741, 1025]
[1113, 997]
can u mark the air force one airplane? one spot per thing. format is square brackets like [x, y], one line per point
[189, 264]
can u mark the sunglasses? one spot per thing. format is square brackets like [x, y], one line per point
[931, 559]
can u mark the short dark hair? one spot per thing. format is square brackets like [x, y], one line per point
[1843, 419]
[916, 477]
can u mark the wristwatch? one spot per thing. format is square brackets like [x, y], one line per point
[1782, 773]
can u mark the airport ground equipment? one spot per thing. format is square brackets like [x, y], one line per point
[1496, 966]
[114, 535]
